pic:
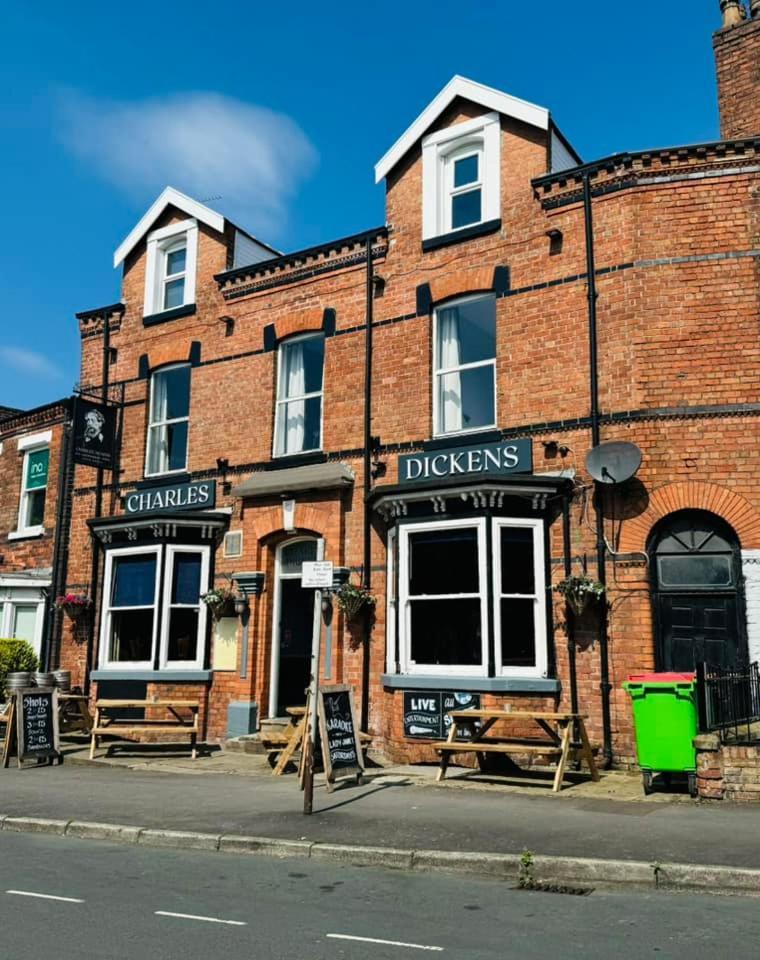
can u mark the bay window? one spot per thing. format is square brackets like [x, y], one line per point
[464, 375]
[456, 578]
[298, 417]
[169, 419]
[145, 627]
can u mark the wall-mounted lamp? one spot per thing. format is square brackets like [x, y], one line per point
[223, 465]
[241, 605]
[340, 578]
[250, 584]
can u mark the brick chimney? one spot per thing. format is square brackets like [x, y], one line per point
[737, 57]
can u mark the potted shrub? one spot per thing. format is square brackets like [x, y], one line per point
[354, 600]
[74, 605]
[579, 590]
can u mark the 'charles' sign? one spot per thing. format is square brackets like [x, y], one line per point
[487, 459]
[200, 495]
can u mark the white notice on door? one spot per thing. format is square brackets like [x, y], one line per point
[317, 573]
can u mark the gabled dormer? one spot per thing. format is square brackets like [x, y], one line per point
[460, 140]
[168, 236]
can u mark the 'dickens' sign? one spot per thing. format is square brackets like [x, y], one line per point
[200, 495]
[487, 459]
[94, 434]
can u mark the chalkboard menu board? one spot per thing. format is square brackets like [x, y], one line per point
[32, 726]
[339, 732]
[426, 712]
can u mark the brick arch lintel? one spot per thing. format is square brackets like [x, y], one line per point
[735, 509]
[461, 282]
[303, 321]
[310, 519]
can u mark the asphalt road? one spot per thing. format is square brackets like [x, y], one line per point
[124, 902]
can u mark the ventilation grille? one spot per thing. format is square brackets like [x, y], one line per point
[233, 543]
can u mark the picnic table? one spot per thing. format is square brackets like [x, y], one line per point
[557, 739]
[282, 746]
[106, 724]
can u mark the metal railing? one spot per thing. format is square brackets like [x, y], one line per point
[729, 702]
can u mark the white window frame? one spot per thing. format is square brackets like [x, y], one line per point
[538, 597]
[391, 602]
[105, 662]
[460, 152]
[153, 426]
[408, 666]
[166, 277]
[483, 134]
[159, 244]
[32, 443]
[279, 401]
[437, 373]
[17, 592]
[169, 553]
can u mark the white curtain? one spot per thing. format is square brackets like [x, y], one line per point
[450, 395]
[158, 460]
[295, 386]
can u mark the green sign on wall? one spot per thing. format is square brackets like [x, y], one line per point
[37, 469]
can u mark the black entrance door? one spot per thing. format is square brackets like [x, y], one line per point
[695, 569]
[296, 628]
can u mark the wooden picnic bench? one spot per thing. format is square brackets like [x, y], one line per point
[557, 742]
[105, 724]
[282, 746]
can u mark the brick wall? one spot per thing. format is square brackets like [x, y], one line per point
[737, 57]
[727, 772]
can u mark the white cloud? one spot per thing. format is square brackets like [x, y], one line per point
[29, 361]
[205, 144]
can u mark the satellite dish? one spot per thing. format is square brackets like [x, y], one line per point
[613, 462]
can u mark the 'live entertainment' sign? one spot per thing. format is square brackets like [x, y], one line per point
[200, 495]
[486, 459]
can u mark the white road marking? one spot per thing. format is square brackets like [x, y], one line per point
[387, 943]
[192, 916]
[43, 896]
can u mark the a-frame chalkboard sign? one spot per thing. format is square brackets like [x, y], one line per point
[31, 730]
[339, 733]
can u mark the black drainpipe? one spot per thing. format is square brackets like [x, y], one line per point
[601, 548]
[570, 622]
[95, 569]
[367, 560]
[62, 540]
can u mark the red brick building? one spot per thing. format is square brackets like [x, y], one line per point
[416, 403]
[33, 522]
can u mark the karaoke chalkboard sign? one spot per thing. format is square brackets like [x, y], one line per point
[426, 713]
[339, 733]
[32, 727]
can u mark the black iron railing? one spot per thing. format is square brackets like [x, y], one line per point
[729, 702]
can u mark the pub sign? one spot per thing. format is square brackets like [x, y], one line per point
[199, 495]
[94, 434]
[483, 460]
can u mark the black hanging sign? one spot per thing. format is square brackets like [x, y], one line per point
[426, 712]
[94, 434]
[32, 726]
[339, 732]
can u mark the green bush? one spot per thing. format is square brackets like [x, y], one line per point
[15, 655]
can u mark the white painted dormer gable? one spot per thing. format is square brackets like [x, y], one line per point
[172, 251]
[461, 164]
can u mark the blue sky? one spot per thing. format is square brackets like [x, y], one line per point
[281, 110]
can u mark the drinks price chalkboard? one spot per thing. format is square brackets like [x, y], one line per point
[32, 726]
[339, 732]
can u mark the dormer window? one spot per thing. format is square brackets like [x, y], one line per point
[170, 270]
[461, 180]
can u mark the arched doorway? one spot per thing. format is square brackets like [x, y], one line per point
[293, 625]
[698, 604]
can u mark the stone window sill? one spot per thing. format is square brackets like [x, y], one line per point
[27, 534]
[154, 676]
[540, 685]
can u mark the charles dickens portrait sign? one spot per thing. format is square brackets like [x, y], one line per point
[200, 495]
[483, 460]
[94, 434]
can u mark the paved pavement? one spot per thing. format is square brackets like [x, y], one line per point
[393, 811]
[126, 902]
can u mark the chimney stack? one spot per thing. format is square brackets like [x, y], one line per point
[737, 58]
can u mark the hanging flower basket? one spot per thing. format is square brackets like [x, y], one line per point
[74, 605]
[580, 591]
[220, 601]
[354, 600]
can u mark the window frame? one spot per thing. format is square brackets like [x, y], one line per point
[153, 426]
[443, 371]
[104, 660]
[449, 158]
[539, 597]
[279, 401]
[166, 606]
[483, 133]
[408, 666]
[28, 446]
[159, 244]
[166, 277]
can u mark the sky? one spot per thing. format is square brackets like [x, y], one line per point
[275, 115]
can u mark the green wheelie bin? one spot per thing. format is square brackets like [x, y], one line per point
[666, 722]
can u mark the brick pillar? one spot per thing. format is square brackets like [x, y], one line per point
[709, 766]
[737, 59]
